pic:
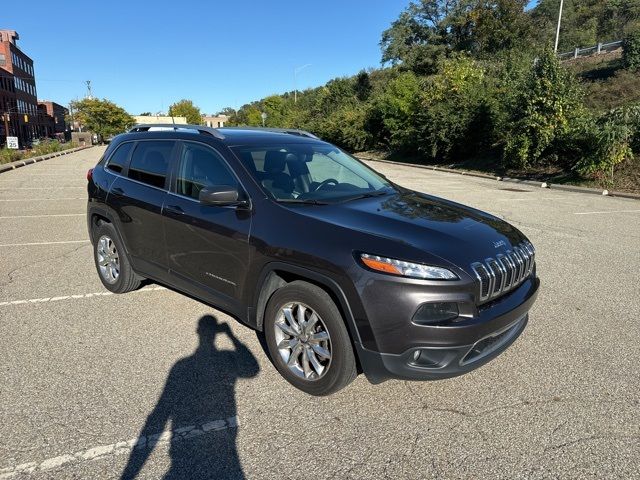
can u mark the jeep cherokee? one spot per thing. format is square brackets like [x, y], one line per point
[342, 270]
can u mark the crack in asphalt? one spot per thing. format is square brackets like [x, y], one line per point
[60, 256]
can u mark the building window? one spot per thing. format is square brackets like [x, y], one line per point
[3, 59]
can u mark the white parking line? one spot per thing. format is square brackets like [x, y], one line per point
[35, 188]
[40, 199]
[609, 211]
[72, 297]
[31, 244]
[47, 215]
[121, 448]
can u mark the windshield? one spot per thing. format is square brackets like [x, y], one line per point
[310, 173]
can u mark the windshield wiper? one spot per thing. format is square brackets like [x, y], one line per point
[308, 201]
[376, 193]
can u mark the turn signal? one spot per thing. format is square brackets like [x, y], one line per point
[406, 269]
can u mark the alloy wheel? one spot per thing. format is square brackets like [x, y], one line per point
[108, 259]
[303, 341]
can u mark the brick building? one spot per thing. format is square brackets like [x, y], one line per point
[18, 97]
[51, 117]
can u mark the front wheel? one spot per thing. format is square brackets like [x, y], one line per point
[307, 339]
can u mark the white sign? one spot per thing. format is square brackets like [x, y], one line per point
[12, 142]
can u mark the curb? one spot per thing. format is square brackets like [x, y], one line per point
[431, 167]
[533, 183]
[7, 167]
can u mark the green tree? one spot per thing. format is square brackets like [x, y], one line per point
[102, 117]
[584, 22]
[186, 108]
[431, 29]
[392, 112]
[228, 111]
[456, 117]
[631, 51]
[549, 100]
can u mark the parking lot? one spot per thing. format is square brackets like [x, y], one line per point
[96, 385]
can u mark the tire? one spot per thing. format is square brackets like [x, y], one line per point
[108, 242]
[301, 358]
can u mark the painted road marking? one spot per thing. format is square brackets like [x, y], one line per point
[43, 243]
[35, 188]
[46, 215]
[72, 297]
[40, 199]
[121, 448]
[609, 211]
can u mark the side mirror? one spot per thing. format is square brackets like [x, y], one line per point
[220, 195]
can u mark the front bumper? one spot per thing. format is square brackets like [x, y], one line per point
[449, 351]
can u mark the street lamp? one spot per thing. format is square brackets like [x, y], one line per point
[558, 29]
[295, 83]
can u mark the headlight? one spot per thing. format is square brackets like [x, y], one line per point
[406, 269]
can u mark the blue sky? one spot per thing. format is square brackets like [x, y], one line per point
[146, 55]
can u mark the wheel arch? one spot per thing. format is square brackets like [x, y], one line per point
[275, 275]
[96, 216]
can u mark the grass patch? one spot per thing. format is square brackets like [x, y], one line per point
[48, 146]
[607, 84]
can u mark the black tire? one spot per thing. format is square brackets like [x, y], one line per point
[127, 280]
[341, 370]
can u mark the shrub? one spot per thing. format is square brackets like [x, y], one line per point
[8, 155]
[391, 117]
[612, 137]
[631, 51]
[549, 100]
[456, 114]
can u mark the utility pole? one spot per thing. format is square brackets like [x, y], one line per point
[6, 124]
[558, 29]
[295, 83]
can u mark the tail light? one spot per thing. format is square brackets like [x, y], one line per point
[90, 175]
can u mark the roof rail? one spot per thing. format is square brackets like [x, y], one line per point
[145, 127]
[290, 131]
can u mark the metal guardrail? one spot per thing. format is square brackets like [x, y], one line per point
[594, 50]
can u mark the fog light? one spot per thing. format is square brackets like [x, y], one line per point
[432, 313]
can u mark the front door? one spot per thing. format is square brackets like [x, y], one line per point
[207, 246]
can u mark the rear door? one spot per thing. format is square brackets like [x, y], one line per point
[207, 245]
[138, 196]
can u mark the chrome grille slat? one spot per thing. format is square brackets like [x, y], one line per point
[503, 273]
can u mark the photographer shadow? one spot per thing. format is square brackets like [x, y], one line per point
[198, 401]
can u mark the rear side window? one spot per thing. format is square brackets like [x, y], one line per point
[119, 158]
[200, 167]
[150, 162]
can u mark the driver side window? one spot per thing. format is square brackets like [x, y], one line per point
[322, 168]
[200, 167]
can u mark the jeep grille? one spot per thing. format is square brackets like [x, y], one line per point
[505, 272]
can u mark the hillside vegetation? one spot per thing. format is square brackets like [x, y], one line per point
[475, 82]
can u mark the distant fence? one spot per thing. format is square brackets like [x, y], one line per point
[588, 51]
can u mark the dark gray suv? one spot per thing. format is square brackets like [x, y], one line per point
[341, 270]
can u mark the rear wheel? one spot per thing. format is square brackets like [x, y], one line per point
[112, 263]
[307, 339]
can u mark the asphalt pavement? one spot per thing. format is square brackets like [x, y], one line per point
[154, 384]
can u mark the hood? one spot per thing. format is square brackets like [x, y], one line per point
[459, 234]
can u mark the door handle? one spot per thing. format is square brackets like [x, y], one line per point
[117, 191]
[175, 209]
